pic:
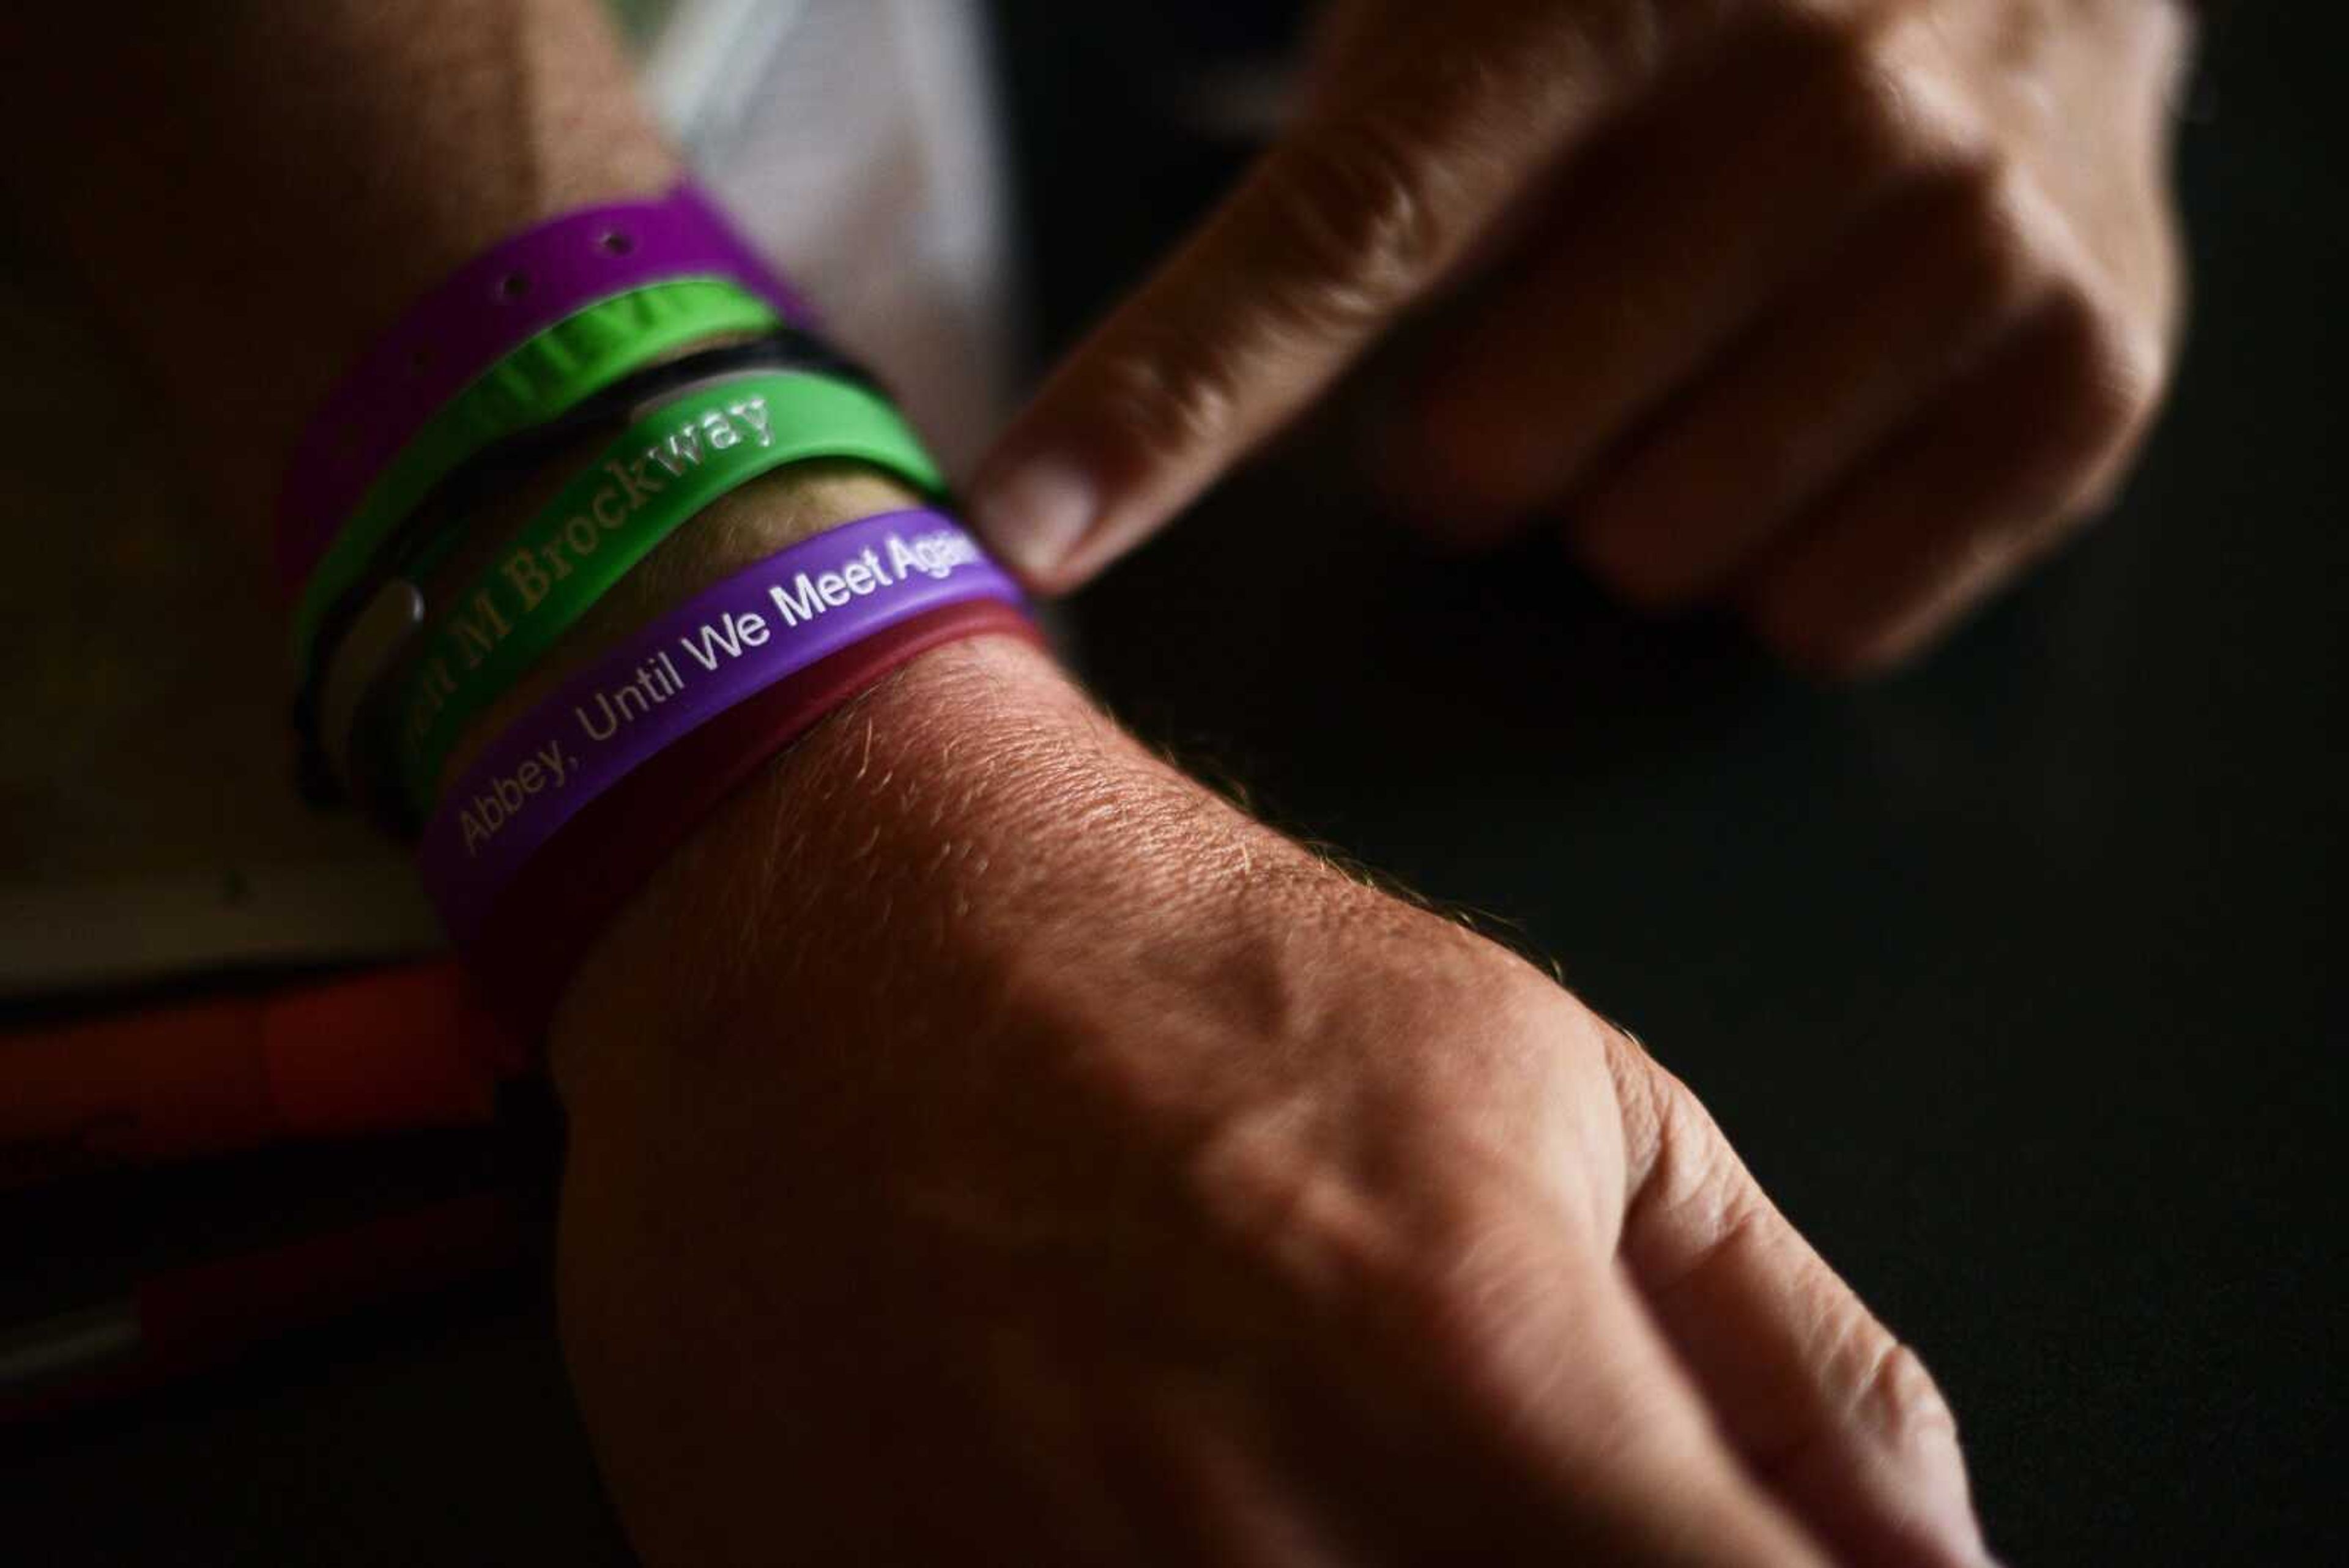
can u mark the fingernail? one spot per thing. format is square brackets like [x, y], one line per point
[1033, 514]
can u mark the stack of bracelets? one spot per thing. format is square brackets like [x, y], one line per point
[650, 335]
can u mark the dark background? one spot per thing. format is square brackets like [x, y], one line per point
[2016, 978]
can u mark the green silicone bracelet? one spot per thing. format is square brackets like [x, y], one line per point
[668, 466]
[544, 376]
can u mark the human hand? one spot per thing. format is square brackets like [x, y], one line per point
[1840, 311]
[986, 1145]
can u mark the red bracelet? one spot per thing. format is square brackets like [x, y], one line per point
[558, 903]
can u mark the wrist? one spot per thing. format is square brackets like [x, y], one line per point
[740, 530]
[870, 833]
[938, 860]
[446, 128]
[917, 735]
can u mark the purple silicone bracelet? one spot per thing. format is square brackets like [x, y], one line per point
[483, 312]
[754, 628]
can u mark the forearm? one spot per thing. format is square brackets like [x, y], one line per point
[964, 844]
[250, 192]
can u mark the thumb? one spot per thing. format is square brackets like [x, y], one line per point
[1340, 226]
[1828, 1408]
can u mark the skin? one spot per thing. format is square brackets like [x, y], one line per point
[1837, 313]
[983, 1141]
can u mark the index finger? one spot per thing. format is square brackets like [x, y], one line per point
[1342, 225]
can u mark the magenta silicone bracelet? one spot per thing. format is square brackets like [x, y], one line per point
[482, 311]
[754, 628]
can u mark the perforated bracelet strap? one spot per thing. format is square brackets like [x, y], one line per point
[539, 380]
[481, 312]
[664, 469]
[649, 693]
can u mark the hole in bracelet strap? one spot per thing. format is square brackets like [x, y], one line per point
[513, 286]
[616, 242]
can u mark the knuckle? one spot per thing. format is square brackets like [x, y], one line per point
[1650, 1101]
[1989, 235]
[2105, 372]
[1362, 217]
[1693, 1174]
[1443, 1287]
[1876, 113]
[1880, 121]
[1476, 1313]
[1265, 1192]
[1167, 397]
[1889, 1402]
[1900, 1400]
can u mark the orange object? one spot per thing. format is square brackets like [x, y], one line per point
[388, 1049]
